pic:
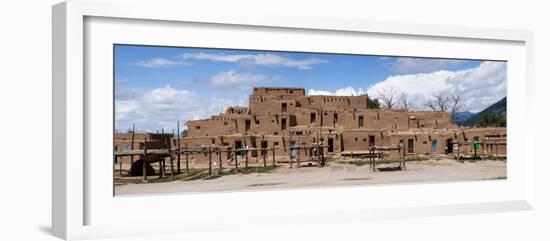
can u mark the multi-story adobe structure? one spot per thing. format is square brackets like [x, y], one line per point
[286, 117]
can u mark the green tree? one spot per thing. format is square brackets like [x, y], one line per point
[372, 103]
[491, 120]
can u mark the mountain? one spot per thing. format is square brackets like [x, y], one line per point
[461, 117]
[494, 115]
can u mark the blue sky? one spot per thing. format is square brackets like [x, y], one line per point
[156, 86]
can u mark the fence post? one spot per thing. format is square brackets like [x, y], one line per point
[274, 154]
[209, 161]
[171, 167]
[234, 156]
[144, 160]
[179, 149]
[132, 144]
[220, 171]
[186, 159]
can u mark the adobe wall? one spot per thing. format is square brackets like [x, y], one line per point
[278, 91]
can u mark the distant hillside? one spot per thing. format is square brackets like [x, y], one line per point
[461, 117]
[494, 115]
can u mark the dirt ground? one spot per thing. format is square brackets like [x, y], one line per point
[334, 174]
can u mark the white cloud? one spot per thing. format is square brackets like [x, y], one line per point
[269, 60]
[162, 107]
[407, 65]
[479, 87]
[241, 81]
[156, 63]
[347, 91]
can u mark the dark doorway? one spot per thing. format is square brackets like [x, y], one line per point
[283, 124]
[312, 118]
[410, 146]
[247, 125]
[239, 145]
[330, 145]
[449, 148]
[335, 119]
[263, 145]
[371, 140]
[283, 107]
[361, 120]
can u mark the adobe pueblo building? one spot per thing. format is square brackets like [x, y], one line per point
[285, 119]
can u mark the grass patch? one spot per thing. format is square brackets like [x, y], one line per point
[362, 162]
[497, 178]
[357, 162]
[478, 158]
[202, 174]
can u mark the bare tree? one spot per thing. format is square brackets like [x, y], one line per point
[431, 104]
[455, 105]
[389, 97]
[439, 102]
[405, 101]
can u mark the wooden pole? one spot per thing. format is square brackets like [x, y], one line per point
[263, 151]
[298, 164]
[370, 157]
[144, 160]
[132, 144]
[120, 165]
[321, 146]
[404, 157]
[245, 155]
[220, 171]
[373, 160]
[209, 161]
[496, 151]
[162, 168]
[290, 149]
[458, 149]
[179, 149]
[234, 156]
[186, 159]
[274, 154]
[161, 174]
[400, 155]
[171, 167]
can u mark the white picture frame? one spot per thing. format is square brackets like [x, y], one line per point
[75, 196]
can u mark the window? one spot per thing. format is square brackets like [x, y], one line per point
[198, 127]
[356, 139]
[312, 118]
[247, 125]
[213, 141]
[361, 120]
[276, 143]
[283, 124]
[283, 107]
[225, 123]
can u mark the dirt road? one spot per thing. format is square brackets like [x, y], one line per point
[336, 174]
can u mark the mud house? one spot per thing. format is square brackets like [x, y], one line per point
[281, 118]
[284, 117]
